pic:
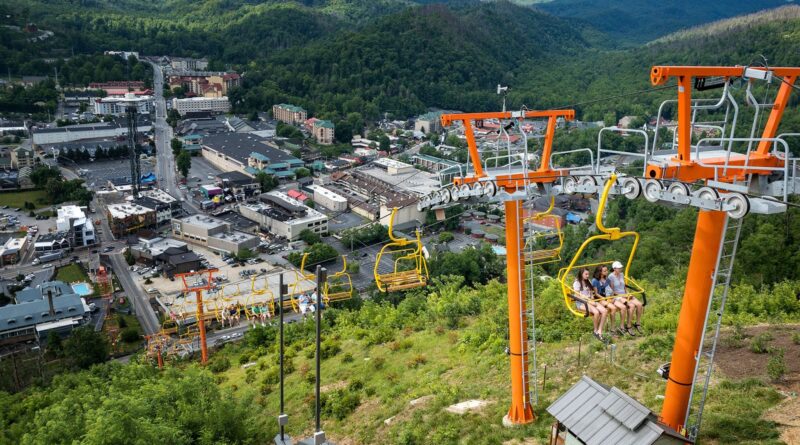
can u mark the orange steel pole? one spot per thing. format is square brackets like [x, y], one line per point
[684, 118]
[521, 411]
[474, 156]
[201, 324]
[160, 359]
[547, 150]
[705, 251]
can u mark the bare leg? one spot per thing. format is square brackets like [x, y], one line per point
[623, 312]
[603, 313]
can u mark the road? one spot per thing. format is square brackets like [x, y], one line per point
[138, 298]
[165, 162]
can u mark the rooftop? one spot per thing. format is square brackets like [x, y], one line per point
[241, 146]
[34, 308]
[125, 210]
[323, 123]
[158, 195]
[235, 177]
[157, 246]
[208, 222]
[599, 415]
[292, 108]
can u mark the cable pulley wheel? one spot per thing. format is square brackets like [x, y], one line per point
[652, 190]
[707, 193]
[489, 189]
[631, 188]
[740, 204]
[678, 189]
[570, 185]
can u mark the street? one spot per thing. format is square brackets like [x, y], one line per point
[138, 298]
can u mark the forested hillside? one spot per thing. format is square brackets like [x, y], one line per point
[632, 22]
[431, 56]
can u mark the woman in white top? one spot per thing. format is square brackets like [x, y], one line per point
[304, 304]
[584, 298]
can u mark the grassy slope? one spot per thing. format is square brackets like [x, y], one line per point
[446, 364]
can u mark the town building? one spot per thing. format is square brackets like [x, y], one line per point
[80, 230]
[164, 204]
[171, 255]
[211, 104]
[101, 130]
[22, 157]
[50, 307]
[118, 106]
[12, 249]
[433, 163]
[127, 218]
[204, 83]
[328, 199]
[121, 88]
[188, 64]
[592, 413]
[290, 114]
[238, 184]
[283, 216]
[213, 233]
[323, 131]
[249, 154]
[13, 127]
[429, 122]
[51, 242]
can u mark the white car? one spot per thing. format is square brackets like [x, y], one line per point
[226, 337]
[151, 290]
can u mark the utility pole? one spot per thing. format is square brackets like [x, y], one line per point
[319, 436]
[282, 438]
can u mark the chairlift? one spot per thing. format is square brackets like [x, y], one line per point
[410, 269]
[338, 286]
[544, 243]
[607, 234]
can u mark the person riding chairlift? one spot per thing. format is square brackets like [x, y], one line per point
[617, 283]
[585, 301]
[614, 305]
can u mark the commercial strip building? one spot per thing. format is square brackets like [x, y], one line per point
[433, 163]
[248, 153]
[283, 216]
[327, 198]
[104, 130]
[164, 204]
[213, 233]
[290, 114]
[187, 64]
[51, 307]
[195, 104]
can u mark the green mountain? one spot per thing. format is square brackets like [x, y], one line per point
[631, 22]
[430, 56]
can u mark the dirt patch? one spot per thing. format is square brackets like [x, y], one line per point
[787, 416]
[738, 361]
[526, 441]
[333, 386]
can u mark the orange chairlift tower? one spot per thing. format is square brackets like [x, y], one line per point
[707, 165]
[726, 176]
[197, 288]
[510, 177]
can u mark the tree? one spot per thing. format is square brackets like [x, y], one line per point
[129, 257]
[85, 347]
[301, 172]
[476, 265]
[42, 173]
[446, 237]
[310, 237]
[54, 343]
[267, 181]
[184, 163]
[384, 143]
[177, 146]
[317, 254]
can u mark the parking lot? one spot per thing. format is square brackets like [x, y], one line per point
[98, 173]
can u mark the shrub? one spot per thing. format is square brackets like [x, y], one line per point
[250, 375]
[796, 338]
[271, 376]
[776, 366]
[130, 335]
[347, 357]
[378, 362]
[339, 403]
[417, 361]
[243, 359]
[759, 343]
[219, 364]
[329, 348]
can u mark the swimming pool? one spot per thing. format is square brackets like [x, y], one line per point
[82, 289]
